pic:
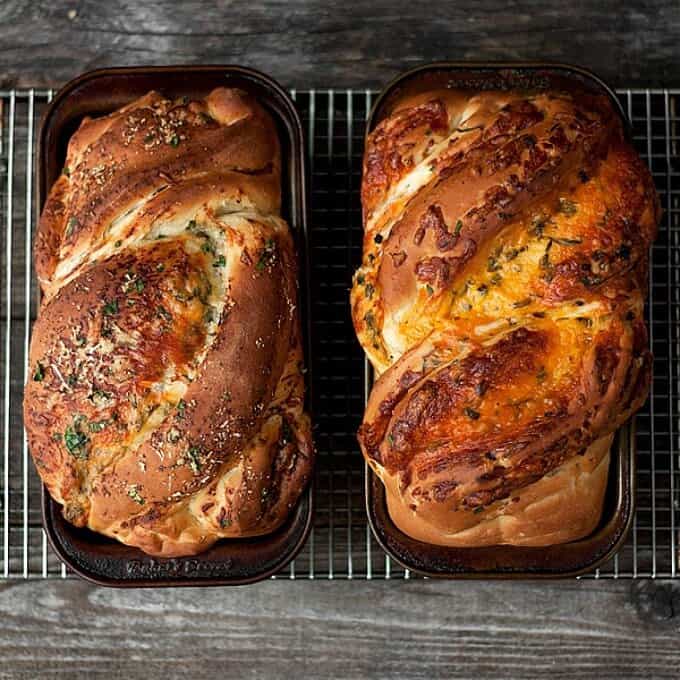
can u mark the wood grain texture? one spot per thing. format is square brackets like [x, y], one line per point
[348, 44]
[344, 630]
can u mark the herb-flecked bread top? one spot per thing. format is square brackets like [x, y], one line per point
[500, 301]
[165, 402]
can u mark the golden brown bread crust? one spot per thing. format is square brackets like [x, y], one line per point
[500, 300]
[165, 407]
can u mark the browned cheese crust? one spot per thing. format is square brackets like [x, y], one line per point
[165, 403]
[500, 301]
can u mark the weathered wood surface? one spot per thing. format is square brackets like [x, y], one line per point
[344, 630]
[345, 44]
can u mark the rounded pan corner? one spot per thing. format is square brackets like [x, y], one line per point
[462, 66]
[270, 87]
[101, 579]
[124, 71]
[612, 533]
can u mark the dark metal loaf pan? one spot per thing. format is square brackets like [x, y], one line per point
[230, 561]
[505, 561]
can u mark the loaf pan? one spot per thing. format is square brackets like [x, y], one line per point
[505, 561]
[230, 561]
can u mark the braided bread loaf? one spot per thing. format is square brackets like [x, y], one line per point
[165, 406]
[500, 301]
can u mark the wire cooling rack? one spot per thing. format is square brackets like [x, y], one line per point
[341, 545]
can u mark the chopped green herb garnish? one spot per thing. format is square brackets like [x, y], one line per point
[457, 228]
[591, 281]
[267, 256]
[220, 261]
[133, 281]
[566, 241]
[390, 440]
[492, 264]
[478, 509]
[110, 308]
[118, 244]
[71, 225]
[193, 454]
[568, 207]
[39, 373]
[429, 289]
[370, 320]
[99, 395]
[538, 226]
[174, 140]
[545, 264]
[164, 313]
[181, 406]
[97, 426]
[66, 171]
[133, 492]
[76, 440]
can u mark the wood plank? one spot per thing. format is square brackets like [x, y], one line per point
[354, 44]
[349, 630]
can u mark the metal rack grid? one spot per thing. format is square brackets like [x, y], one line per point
[341, 545]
